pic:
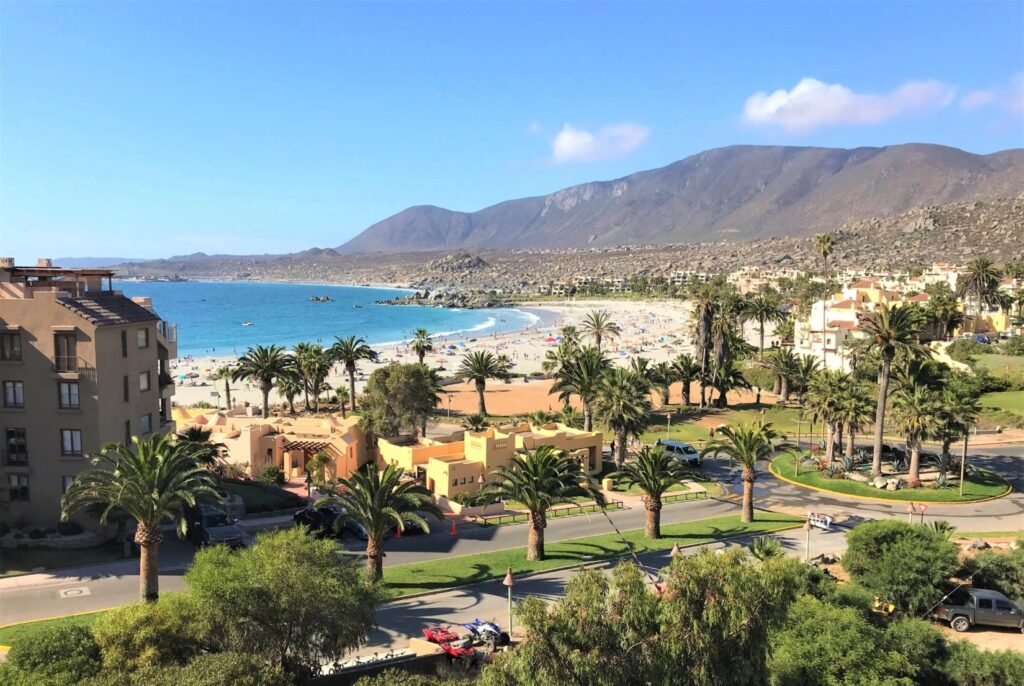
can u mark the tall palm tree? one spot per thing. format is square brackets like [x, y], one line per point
[571, 335]
[822, 403]
[350, 352]
[599, 325]
[890, 331]
[155, 480]
[686, 370]
[824, 243]
[663, 375]
[380, 500]
[964, 408]
[264, 365]
[541, 480]
[421, 344]
[980, 278]
[581, 377]
[300, 351]
[558, 357]
[728, 378]
[806, 369]
[784, 365]
[623, 404]
[655, 471]
[764, 308]
[314, 364]
[224, 374]
[478, 366]
[288, 387]
[746, 444]
[854, 410]
[704, 315]
[917, 412]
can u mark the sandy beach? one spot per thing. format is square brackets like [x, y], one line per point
[658, 330]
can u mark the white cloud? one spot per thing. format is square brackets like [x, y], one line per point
[579, 145]
[1009, 97]
[812, 104]
[976, 99]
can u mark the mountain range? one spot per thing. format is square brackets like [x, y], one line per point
[734, 193]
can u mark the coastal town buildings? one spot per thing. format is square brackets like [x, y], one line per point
[81, 365]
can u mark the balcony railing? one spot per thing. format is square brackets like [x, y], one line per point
[69, 364]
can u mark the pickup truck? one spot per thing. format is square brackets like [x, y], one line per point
[979, 607]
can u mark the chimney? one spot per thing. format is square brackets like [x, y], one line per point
[6, 262]
[44, 263]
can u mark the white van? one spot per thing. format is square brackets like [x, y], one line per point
[681, 451]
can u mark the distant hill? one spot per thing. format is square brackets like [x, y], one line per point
[738, 192]
[92, 262]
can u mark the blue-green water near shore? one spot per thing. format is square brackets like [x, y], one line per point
[210, 315]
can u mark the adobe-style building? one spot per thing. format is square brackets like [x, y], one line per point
[462, 463]
[81, 365]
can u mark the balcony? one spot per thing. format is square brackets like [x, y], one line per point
[167, 336]
[71, 367]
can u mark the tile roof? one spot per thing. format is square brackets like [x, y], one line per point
[108, 309]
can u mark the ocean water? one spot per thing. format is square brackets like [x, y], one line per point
[209, 315]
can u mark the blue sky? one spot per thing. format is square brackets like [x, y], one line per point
[150, 129]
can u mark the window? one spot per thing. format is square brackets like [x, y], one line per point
[142, 338]
[67, 393]
[17, 486]
[70, 442]
[10, 346]
[16, 447]
[146, 421]
[1003, 605]
[984, 603]
[14, 394]
[127, 384]
[66, 482]
[127, 432]
[144, 381]
[65, 352]
[124, 344]
[455, 482]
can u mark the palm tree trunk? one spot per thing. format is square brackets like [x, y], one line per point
[850, 443]
[830, 443]
[620, 449]
[944, 463]
[761, 336]
[588, 416]
[535, 537]
[374, 558]
[227, 390]
[266, 402]
[915, 462]
[305, 395]
[352, 387]
[481, 386]
[883, 390]
[423, 426]
[963, 466]
[777, 388]
[747, 515]
[652, 527]
[686, 391]
[784, 390]
[148, 540]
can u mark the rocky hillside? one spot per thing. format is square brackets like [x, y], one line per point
[737, 193]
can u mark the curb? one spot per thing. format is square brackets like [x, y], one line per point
[773, 472]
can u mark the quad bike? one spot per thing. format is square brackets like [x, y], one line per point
[464, 655]
[440, 634]
[488, 634]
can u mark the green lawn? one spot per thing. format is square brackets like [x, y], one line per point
[24, 560]
[988, 534]
[9, 634]
[457, 571]
[1009, 401]
[1004, 366]
[685, 427]
[983, 484]
[259, 499]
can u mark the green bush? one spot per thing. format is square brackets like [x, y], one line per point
[921, 644]
[218, 669]
[965, 349]
[969, 666]
[998, 571]
[271, 475]
[157, 634]
[907, 564]
[58, 655]
[1014, 346]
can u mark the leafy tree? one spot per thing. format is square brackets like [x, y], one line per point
[891, 331]
[381, 500]
[998, 570]
[58, 655]
[942, 309]
[158, 479]
[907, 564]
[421, 344]
[541, 480]
[581, 376]
[747, 444]
[397, 397]
[967, 665]
[478, 366]
[318, 464]
[350, 352]
[288, 600]
[599, 325]
[623, 404]
[216, 669]
[264, 365]
[686, 370]
[654, 471]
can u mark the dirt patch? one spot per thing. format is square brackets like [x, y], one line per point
[987, 639]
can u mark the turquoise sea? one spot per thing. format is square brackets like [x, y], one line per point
[209, 315]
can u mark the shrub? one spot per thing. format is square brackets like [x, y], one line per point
[59, 655]
[968, 666]
[907, 564]
[150, 634]
[998, 571]
[271, 475]
[218, 669]
[1014, 346]
[921, 644]
[69, 528]
[965, 349]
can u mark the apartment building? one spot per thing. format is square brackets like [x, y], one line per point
[81, 365]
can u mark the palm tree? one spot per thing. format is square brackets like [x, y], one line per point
[340, 392]
[655, 471]
[784, 365]
[350, 352]
[686, 370]
[980, 278]
[155, 480]
[727, 379]
[764, 308]
[541, 480]
[704, 315]
[206, 451]
[854, 412]
[476, 422]
[807, 367]
[570, 417]
[916, 411]
[479, 366]
[824, 243]
[318, 464]
[571, 335]
[581, 377]
[300, 351]
[663, 375]
[822, 403]
[381, 500]
[288, 387]
[890, 330]
[623, 404]
[314, 364]
[746, 444]
[264, 365]
[224, 374]
[598, 324]
[964, 408]
[421, 344]
[558, 357]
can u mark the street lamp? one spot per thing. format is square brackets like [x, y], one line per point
[509, 583]
[309, 487]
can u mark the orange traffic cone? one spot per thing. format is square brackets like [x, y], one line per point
[398, 532]
[453, 531]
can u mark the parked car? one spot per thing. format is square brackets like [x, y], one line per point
[211, 526]
[354, 528]
[980, 607]
[681, 451]
[321, 521]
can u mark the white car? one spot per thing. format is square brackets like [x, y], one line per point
[681, 451]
